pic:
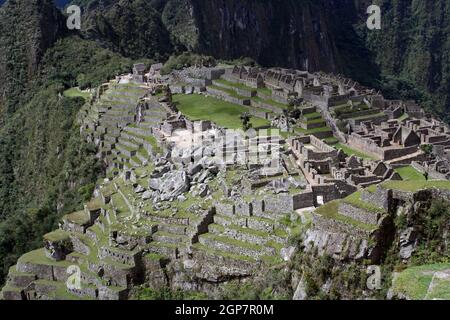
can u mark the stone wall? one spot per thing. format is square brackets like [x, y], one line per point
[303, 200]
[335, 226]
[358, 214]
[266, 106]
[224, 96]
[381, 198]
[431, 173]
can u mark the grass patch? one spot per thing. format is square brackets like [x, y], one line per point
[331, 211]
[331, 140]
[211, 251]
[369, 117]
[350, 152]
[314, 121]
[154, 143]
[355, 200]
[270, 102]
[80, 218]
[58, 235]
[312, 131]
[39, 257]
[234, 84]
[415, 185]
[224, 114]
[408, 173]
[265, 91]
[76, 93]
[415, 281]
[230, 92]
[314, 115]
[404, 116]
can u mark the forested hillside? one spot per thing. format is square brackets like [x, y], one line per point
[45, 168]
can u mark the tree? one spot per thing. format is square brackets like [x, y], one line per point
[427, 148]
[245, 117]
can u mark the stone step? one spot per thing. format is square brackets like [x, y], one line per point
[129, 143]
[125, 257]
[142, 155]
[114, 138]
[130, 136]
[125, 150]
[173, 228]
[235, 246]
[138, 131]
[19, 279]
[149, 124]
[244, 234]
[135, 162]
[166, 237]
[165, 249]
[220, 255]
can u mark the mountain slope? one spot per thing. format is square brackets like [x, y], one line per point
[46, 169]
[412, 50]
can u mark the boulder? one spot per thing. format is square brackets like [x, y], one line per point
[171, 185]
[139, 189]
[287, 253]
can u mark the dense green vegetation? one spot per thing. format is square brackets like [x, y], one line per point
[412, 52]
[132, 28]
[45, 168]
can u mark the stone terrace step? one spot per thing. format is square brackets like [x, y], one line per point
[166, 237]
[200, 248]
[165, 249]
[255, 223]
[235, 246]
[245, 234]
[126, 151]
[129, 143]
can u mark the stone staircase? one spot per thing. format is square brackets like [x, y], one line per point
[111, 124]
[242, 235]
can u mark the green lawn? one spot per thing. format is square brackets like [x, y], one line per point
[224, 114]
[403, 117]
[331, 141]
[349, 151]
[234, 84]
[271, 102]
[265, 91]
[76, 92]
[408, 173]
[414, 185]
[369, 117]
[230, 92]
[312, 131]
[313, 115]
